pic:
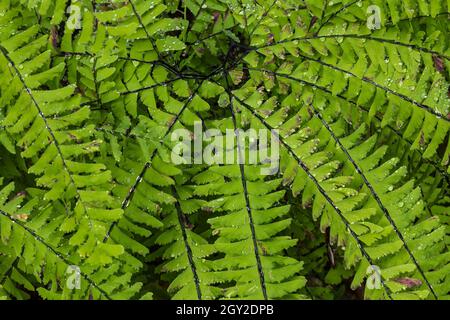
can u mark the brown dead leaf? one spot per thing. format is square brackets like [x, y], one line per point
[438, 63]
[21, 216]
[409, 282]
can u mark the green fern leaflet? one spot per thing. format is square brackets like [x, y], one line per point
[354, 95]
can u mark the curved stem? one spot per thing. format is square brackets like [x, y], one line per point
[147, 165]
[49, 129]
[355, 36]
[262, 18]
[375, 84]
[140, 177]
[187, 246]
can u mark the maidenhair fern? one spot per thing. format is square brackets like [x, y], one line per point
[353, 98]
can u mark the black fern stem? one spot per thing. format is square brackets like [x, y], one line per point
[140, 177]
[153, 86]
[377, 198]
[354, 36]
[246, 196]
[262, 18]
[181, 221]
[50, 131]
[306, 38]
[245, 17]
[152, 41]
[321, 190]
[343, 8]
[139, 18]
[94, 65]
[54, 251]
[193, 43]
[313, 85]
[168, 67]
[190, 25]
[154, 63]
[10, 269]
[41, 114]
[324, 8]
[249, 212]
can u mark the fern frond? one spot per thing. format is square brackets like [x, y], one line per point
[95, 97]
[345, 56]
[34, 257]
[336, 200]
[253, 265]
[186, 251]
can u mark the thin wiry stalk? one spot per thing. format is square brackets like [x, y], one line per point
[153, 86]
[344, 7]
[169, 68]
[190, 44]
[49, 129]
[187, 245]
[152, 41]
[10, 270]
[263, 16]
[147, 165]
[126, 202]
[246, 196]
[376, 197]
[94, 65]
[161, 63]
[365, 79]
[245, 17]
[139, 18]
[94, 72]
[354, 36]
[190, 25]
[325, 6]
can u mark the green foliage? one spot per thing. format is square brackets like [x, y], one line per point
[92, 91]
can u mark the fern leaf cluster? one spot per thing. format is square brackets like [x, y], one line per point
[93, 205]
